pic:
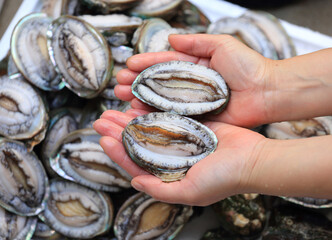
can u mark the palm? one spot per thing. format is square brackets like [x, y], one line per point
[242, 68]
[224, 169]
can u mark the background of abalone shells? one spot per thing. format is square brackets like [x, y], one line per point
[307, 13]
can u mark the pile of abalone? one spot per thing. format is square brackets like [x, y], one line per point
[56, 182]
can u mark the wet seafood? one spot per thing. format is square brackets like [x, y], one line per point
[162, 8]
[22, 111]
[242, 214]
[80, 158]
[182, 87]
[142, 217]
[246, 31]
[107, 6]
[81, 55]
[30, 54]
[142, 36]
[76, 211]
[23, 181]
[166, 144]
[16, 227]
[275, 32]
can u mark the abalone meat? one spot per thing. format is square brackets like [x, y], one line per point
[166, 144]
[181, 87]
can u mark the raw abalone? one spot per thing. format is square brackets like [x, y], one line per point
[142, 217]
[22, 112]
[23, 181]
[16, 227]
[80, 158]
[319, 126]
[113, 22]
[76, 211]
[166, 144]
[181, 87]
[81, 55]
[142, 36]
[247, 31]
[61, 124]
[151, 8]
[275, 32]
[30, 54]
[107, 6]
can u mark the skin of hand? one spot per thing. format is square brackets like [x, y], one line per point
[243, 69]
[244, 162]
[262, 90]
[217, 176]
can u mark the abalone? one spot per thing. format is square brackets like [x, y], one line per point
[23, 181]
[151, 8]
[166, 144]
[16, 227]
[23, 114]
[30, 54]
[81, 55]
[142, 217]
[247, 31]
[76, 211]
[80, 158]
[182, 87]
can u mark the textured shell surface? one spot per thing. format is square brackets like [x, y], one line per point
[142, 217]
[22, 111]
[23, 182]
[61, 124]
[181, 87]
[80, 158]
[152, 8]
[143, 35]
[30, 53]
[247, 31]
[112, 21]
[159, 41]
[80, 54]
[16, 227]
[107, 6]
[166, 144]
[318, 126]
[275, 32]
[76, 211]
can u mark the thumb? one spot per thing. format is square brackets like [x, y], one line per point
[199, 45]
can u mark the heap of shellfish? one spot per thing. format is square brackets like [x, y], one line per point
[59, 76]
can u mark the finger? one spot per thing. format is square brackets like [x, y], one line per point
[174, 192]
[136, 112]
[115, 150]
[199, 45]
[140, 62]
[126, 76]
[107, 128]
[123, 92]
[119, 118]
[137, 104]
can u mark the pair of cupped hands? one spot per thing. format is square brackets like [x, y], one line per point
[229, 169]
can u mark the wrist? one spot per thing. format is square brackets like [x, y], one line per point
[302, 82]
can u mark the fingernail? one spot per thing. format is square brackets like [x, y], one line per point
[137, 186]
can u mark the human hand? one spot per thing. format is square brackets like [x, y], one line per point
[244, 70]
[221, 174]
